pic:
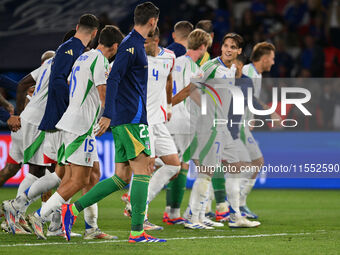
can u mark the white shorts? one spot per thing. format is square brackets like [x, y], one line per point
[230, 152]
[242, 151]
[32, 141]
[79, 150]
[182, 142]
[161, 142]
[209, 148]
[52, 145]
[251, 145]
[16, 151]
[212, 149]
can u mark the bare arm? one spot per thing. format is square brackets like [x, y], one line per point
[102, 93]
[104, 122]
[7, 105]
[169, 96]
[183, 94]
[23, 86]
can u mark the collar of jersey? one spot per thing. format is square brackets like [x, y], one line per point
[254, 68]
[137, 35]
[220, 60]
[161, 52]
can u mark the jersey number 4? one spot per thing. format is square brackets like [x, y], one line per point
[155, 73]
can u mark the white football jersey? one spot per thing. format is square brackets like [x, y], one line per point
[34, 111]
[256, 77]
[159, 68]
[185, 69]
[217, 79]
[90, 70]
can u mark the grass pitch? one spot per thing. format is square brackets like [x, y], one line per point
[293, 222]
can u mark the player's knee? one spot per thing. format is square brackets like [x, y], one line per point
[38, 171]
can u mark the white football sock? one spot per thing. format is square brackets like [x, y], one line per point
[204, 206]
[26, 183]
[222, 207]
[157, 182]
[52, 205]
[160, 178]
[91, 216]
[167, 209]
[175, 213]
[43, 184]
[199, 194]
[245, 188]
[232, 187]
[210, 199]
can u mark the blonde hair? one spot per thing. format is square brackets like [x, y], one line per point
[198, 37]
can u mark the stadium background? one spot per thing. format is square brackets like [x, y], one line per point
[305, 33]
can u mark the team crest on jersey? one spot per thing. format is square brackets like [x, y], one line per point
[87, 157]
[147, 144]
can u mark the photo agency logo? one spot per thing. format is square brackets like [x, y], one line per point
[242, 101]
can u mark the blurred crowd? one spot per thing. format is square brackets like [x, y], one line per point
[306, 34]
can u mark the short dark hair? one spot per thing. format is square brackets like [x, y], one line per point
[183, 29]
[109, 35]
[144, 12]
[260, 49]
[205, 25]
[236, 37]
[88, 21]
[68, 35]
[242, 58]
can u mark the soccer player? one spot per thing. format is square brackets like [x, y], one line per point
[160, 65]
[87, 90]
[58, 90]
[180, 124]
[26, 142]
[262, 59]
[182, 29]
[125, 112]
[215, 144]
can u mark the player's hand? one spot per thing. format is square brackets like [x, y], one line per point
[168, 112]
[277, 119]
[14, 123]
[169, 115]
[104, 124]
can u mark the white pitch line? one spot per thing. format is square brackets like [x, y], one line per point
[169, 239]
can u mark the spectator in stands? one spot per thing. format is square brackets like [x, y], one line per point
[312, 57]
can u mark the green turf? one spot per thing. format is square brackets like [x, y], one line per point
[309, 217]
